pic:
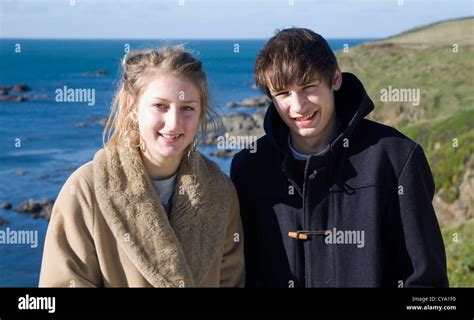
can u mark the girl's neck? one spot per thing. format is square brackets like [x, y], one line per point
[161, 168]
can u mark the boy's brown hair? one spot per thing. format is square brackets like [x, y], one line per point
[294, 56]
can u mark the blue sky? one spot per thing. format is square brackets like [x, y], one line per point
[214, 19]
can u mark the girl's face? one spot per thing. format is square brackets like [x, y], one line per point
[168, 116]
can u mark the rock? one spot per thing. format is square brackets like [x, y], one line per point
[437, 145]
[97, 73]
[20, 88]
[462, 209]
[44, 176]
[240, 124]
[260, 101]
[5, 205]
[3, 222]
[80, 125]
[5, 98]
[231, 105]
[47, 210]
[224, 153]
[101, 121]
[20, 172]
[36, 208]
[29, 206]
[255, 102]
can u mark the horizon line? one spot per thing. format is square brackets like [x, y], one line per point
[181, 39]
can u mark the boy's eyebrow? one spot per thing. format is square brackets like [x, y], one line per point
[311, 81]
[168, 101]
[276, 91]
[272, 91]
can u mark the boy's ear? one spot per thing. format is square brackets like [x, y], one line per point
[337, 80]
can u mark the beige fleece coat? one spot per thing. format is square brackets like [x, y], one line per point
[109, 228]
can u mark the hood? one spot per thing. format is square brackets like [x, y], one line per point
[352, 104]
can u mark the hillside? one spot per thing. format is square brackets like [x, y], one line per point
[437, 59]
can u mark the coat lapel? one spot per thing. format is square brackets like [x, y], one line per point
[168, 252]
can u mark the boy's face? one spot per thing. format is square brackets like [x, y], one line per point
[308, 110]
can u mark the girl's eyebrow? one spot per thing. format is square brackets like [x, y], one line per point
[168, 101]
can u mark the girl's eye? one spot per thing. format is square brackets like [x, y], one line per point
[188, 108]
[160, 106]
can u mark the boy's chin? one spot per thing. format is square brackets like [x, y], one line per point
[306, 132]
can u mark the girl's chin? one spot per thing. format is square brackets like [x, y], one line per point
[169, 153]
[166, 151]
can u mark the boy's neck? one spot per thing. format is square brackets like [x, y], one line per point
[314, 145]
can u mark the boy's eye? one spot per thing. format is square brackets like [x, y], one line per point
[282, 94]
[187, 108]
[310, 86]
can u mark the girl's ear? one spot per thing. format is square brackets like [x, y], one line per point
[337, 81]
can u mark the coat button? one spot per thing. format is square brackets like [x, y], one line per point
[313, 175]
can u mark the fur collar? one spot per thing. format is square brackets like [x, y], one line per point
[168, 252]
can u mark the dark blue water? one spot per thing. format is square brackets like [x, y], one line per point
[52, 147]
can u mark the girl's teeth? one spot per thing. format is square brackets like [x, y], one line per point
[170, 136]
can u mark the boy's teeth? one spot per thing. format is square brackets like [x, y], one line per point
[305, 118]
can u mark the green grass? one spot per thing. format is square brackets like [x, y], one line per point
[460, 254]
[447, 162]
[445, 78]
[423, 59]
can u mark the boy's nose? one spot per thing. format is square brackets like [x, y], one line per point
[297, 102]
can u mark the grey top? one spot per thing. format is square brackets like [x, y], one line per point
[165, 190]
[300, 156]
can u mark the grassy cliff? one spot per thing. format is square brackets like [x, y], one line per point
[439, 61]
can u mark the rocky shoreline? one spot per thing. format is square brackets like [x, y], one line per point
[18, 89]
[35, 208]
[20, 92]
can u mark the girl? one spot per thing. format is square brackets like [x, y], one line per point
[149, 210]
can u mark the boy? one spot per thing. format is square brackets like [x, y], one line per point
[331, 199]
